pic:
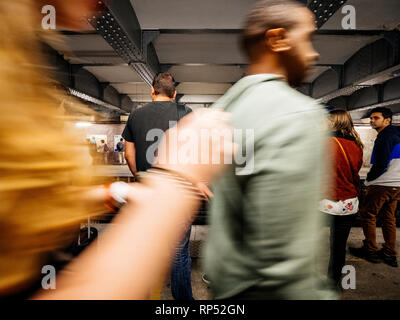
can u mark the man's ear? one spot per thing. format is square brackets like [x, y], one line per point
[153, 92]
[276, 40]
[174, 95]
[387, 121]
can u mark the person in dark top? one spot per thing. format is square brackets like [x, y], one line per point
[144, 125]
[383, 191]
[142, 134]
[121, 151]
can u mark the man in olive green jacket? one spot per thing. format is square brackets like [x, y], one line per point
[264, 219]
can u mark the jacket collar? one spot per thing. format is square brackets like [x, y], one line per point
[338, 134]
[242, 85]
[389, 129]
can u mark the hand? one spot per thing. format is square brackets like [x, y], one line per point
[201, 134]
[204, 190]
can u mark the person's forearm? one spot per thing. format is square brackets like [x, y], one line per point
[130, 157]
[132, 165]
[135, 252]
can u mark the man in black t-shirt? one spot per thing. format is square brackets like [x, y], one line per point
[142, 134]
[146, 125]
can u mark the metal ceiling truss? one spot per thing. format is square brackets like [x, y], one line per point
[324, 9]
[375, 79]
[364, 112]
[87, 98]
[384, 94]
[117, 23]
[381, 104]
[66, 75]
[362, 69]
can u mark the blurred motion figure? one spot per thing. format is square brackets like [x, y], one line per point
[263, 225]
[41, 204]
[46, 193]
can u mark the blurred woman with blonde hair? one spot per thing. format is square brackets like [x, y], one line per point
[45, 181]
[343, 203]
[41, 165]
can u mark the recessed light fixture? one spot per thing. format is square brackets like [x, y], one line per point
[83, 124]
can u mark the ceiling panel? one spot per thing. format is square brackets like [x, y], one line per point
[224, 48]
[86, 26]
[133, 88]
[116, 60]
[191, 14]
[81, 42]
[370, 15]
[199, 48]
[114, 73]
[314, 73]
[335, 49]
[203, 88]
[207, 73]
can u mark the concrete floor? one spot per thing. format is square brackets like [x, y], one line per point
[373, 281]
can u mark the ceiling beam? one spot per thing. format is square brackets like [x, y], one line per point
[338, 32]
[362, 113]
[85, 54]
[103, 64]
[87, 98]
[324, 9]
[117, 23]
[365, 82]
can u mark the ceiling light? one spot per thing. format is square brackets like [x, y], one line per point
[83, 124]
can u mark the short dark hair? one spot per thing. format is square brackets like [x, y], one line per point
[386, 112]
[164, 84]
[266, 15]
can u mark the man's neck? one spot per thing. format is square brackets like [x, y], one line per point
[382, 128]
[267, 64]
[162, 98]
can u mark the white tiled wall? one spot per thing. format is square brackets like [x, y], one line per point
[368, 137]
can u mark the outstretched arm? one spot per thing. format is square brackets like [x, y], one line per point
[137, 251]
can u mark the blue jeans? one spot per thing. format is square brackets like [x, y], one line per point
[181, 286]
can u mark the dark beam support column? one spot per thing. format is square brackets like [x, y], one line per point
[179, 96]
[393, 37]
